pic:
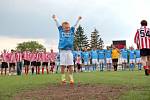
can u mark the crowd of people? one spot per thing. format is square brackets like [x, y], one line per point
[17, 61]
[84, 60]
[98, 59]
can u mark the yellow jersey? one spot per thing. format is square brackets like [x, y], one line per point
[115, 53]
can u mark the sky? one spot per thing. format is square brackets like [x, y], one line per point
[25, 20]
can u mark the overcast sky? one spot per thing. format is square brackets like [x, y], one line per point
[23, 20]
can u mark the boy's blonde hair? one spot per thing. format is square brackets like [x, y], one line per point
[65, 23]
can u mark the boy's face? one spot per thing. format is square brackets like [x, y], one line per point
[101, 48]
[66, 27]
[51, 50]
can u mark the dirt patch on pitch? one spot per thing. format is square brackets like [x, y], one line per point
[82, 92]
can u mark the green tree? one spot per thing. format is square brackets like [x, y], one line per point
[96, 40]
[101, 42]
[80, 39]
[30, 45]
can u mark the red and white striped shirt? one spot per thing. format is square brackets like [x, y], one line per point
[45, 57]
[142, 38]
[12, 57]
[5, 57]
[19, 57]
[39, 57]
[33, 56]
[52, 56]
[26, 55]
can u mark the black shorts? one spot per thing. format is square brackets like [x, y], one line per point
[52, 63]
[4, 65]
[145, 52]
[114, 60]
[45, 64]
[78, 66]
[26, 62]
[33, 63]
[38, 64]
[12, 64]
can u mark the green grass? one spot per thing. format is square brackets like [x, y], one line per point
[10, 85]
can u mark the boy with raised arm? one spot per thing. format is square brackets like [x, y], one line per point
[66, 40]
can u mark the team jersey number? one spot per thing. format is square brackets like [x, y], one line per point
[144, 34]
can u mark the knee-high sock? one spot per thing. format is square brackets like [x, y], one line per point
[139, 66]
[100, 66]
[131, 66]
[32, 70]
[42, 70]
[93, 67]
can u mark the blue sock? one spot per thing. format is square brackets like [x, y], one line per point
[132, 67]
[102, 66]
[139, 66]
[93, 68]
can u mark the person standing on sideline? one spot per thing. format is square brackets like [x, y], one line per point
[12, 62]
[108, 58]
[52, 57]
[19, 62]
[33, 60]
[86, 57]
[138, 59]
[132, 58]
[78, 59]
[38, 62]
[45, 61]
[94, 57]
[5, 60]
[124, 57]
[101, 58]
[115, 56]
[142, 40]
[66, 41]
[26, 58]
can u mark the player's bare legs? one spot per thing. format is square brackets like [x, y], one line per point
[63, 78]
[145, 63]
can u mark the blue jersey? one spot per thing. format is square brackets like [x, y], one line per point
[101, 54]
[78, 53]
[74, 54]
[66, 39]
[131, 54]
[85, 56]
[137, 53]
[124, 53]
[108, 53]
[94, 54]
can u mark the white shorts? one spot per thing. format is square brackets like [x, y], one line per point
[108, 60]
[94, 61]
[86, 63]
[66, 57]
[101, 61]
[132, 61]
[124, 60]
[138, 60]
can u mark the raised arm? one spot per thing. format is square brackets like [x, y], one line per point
[56, 20]
[77, 22]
